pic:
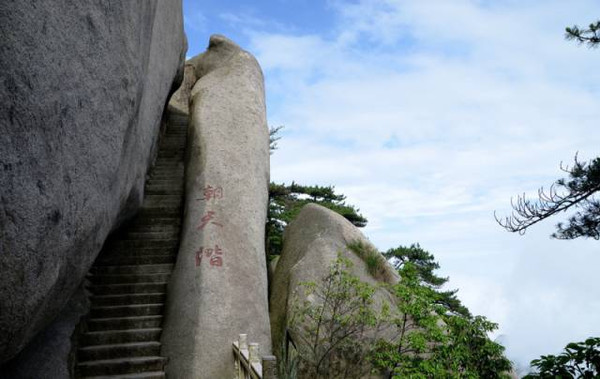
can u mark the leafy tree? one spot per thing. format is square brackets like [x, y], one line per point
[418, 329]
[434, 340]
[429, 339]
[286, 201]
[470, 351]
[336, 326]
[579, 360]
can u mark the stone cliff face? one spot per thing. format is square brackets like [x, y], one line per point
[219, 286]
[83, 86]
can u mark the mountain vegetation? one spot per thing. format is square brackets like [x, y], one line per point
[431, 337]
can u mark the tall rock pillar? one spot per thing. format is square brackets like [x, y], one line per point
[219, 286]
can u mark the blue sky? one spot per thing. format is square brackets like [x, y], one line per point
[430, 115]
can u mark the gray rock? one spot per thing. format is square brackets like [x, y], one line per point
[48, 356]
[312, 243]
[219, 285]
[181, 98]
[83, 86]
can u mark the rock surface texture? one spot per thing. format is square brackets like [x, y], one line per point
[312, 243]
[219, 286]
[83, 87]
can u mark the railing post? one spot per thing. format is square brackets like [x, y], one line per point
[269, 367]
[242, 345]
[249, 364]
[253, 353]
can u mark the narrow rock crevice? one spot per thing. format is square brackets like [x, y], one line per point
[128, 281]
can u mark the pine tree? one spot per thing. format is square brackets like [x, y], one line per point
[573, 193]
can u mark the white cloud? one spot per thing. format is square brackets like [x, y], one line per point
[431, 115]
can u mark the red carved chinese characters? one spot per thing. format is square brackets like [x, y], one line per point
[215, 256]
[208, 218]
[211, 192]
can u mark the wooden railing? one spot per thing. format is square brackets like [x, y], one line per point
[248, 363]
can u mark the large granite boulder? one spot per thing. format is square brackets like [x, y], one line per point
[219, 285]
[312, 243]
[83, 85]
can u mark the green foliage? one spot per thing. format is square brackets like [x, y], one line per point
[424, 337]
[438, 336]
[335, 323]
[418, 329]
[376, 263]
[576, 192]
[287, 366]
[579, 360]
[425, 266]
[285, 202]
[590, 36]
[273, 138]
[470, 351]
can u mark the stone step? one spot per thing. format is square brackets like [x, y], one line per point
[161, 210]
[168, 164]
[179, 168]
[173, 136]
[164, 190]
[139, 250]
[149, 230]
[126, 279]
[161, 202]
[181, 132]
[129, 279]
[150, 235]
[132, 269]
[123, 323]
[121, 366]
[126, 310]
[147, 226]
[111, 337]
[176, 154]
[133, 349]
[164, 182]
[155, 222]
[173, 143]
[113, 289]
[127, 244]
[162, 199]
[168, 161]
[171, 176]
[147, 259]
[171, 150]
[175, 175]
[141, 375]
[128, 299]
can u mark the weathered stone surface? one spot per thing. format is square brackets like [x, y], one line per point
[82, 89]
[219, 286]
[181, 98]
[312, 243]
[48, 355]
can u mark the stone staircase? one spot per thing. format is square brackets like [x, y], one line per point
[128, 281]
